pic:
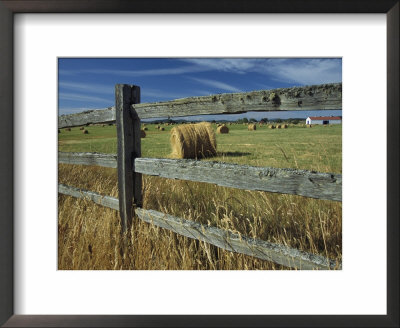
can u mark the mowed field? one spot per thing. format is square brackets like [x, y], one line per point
[89, 235]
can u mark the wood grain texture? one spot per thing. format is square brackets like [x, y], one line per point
[106, 201]
[128, 137]
[105, 160]
[276, 253]
[106, 115]
[285, 181]
[325, 96]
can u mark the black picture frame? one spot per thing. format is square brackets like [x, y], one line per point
[10, 7]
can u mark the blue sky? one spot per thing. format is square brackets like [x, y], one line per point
[88, 83]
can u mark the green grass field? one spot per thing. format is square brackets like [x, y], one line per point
[318, 148]
[90, 235]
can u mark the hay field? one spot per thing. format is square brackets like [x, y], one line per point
[89, 235]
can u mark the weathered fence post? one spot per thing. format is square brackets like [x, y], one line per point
[128, 134]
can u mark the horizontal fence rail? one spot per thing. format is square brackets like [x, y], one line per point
[105, 160]
[95, 116]
[106, 201]
[286, 181]
[326, 96]
[317, 185]
[315, 97]
[276, 253]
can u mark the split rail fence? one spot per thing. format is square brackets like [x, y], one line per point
[128, 112]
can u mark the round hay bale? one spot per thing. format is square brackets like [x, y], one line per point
[252, 127]
[309, 125]
[85, 132]
[162, 129]
[223, 129]
[278, 126]
[284, 126]
[272, 126]
[193, 141]
[68, 129]
[157, 127]
[145, 128]
[142, 134]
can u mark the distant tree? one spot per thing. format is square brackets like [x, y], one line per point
[264, 120]
[278, 120]
[245, 120]
[253, 120]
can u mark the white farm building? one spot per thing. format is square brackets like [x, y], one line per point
[324, 120]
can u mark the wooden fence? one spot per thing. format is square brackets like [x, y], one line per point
[127, 114]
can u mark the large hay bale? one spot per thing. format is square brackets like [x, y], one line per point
[162, 129]
[157, 127]
[85, 131]
[272, 126]
[223, 129]
[145, 129]
[252, 127]
[278, 126]
[142, 134]
[309, 125]
[284, 126]
[193, 141]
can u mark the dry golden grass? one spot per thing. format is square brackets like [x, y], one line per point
[90, 235]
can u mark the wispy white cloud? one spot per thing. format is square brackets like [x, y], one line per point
[234, 65]
[306, 71]
[299, 71]
[148, 72]
[216, 84]
[262, 86]
[66, 72]
[79, 97]
[289, 70]
[85, 87]
[163, 95]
